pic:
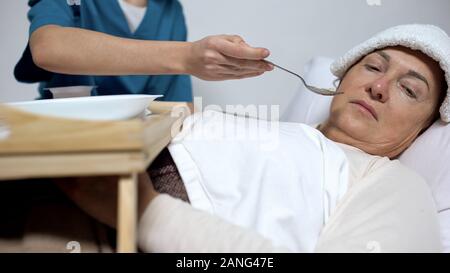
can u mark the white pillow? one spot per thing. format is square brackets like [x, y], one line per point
[429, 155]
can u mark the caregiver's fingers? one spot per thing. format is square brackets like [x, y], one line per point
[241, 76]
[234, 38]
[227, 72]
[247, 64]
[236, 70]
[256, 65]
[237, 48]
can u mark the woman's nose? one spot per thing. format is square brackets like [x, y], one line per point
[379, 89]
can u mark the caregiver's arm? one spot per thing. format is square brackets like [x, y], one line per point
[170, 225]
[83, 52]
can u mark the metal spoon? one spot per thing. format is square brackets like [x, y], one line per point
[317, 90]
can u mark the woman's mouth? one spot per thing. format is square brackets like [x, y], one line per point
[366, 107]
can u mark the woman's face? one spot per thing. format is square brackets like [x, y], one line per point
[389, 97]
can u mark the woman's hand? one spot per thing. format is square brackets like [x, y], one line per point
[226, 57]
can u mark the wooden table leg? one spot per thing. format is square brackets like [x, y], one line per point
[127, 214]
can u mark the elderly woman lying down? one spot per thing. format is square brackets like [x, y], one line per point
[332, 187]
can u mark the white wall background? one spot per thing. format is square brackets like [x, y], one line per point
[294, 31]
[14, 36]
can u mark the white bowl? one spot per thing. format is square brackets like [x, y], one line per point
[101, 108]
[71, 91]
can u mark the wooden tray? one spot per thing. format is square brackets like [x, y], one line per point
[41, 146]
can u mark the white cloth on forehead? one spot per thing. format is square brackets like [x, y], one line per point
[429, 39]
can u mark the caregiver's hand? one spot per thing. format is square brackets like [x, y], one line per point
[226, 57]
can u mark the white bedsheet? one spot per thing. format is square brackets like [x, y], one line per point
[281, 179]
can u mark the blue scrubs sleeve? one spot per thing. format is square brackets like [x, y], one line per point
[50, 12]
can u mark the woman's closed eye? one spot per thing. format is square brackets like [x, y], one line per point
[371, 67]
[410, 92]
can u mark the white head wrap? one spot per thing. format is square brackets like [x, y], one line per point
[428, 39]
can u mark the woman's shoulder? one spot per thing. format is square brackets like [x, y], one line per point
[365, 165]
[398, 179]
[395, 168]
[391, 204]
